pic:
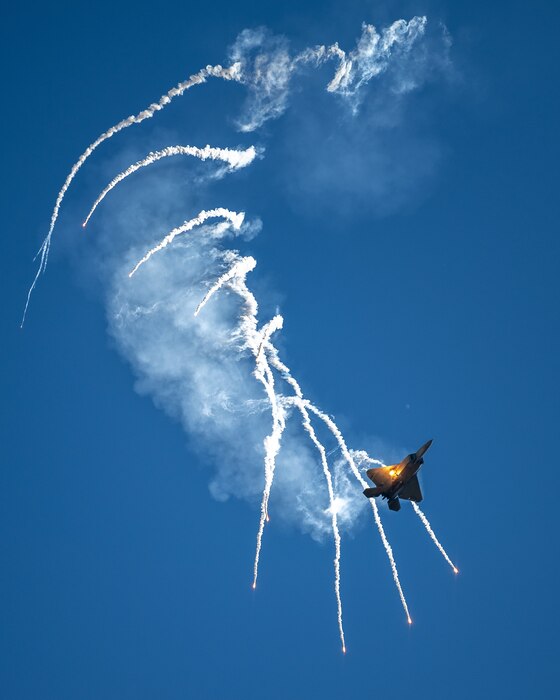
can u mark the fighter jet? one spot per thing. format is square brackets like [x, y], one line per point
[398, 480]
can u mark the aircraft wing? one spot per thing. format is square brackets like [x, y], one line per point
[381, 476]
[411, 490]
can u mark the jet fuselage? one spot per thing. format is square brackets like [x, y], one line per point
[398, 480]
[403, 473]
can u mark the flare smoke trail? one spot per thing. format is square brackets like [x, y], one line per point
[334, 520]
[275, 324]
[338, 435]
[363, 456]
[437, 543]
[299, 401]
[303, 404]
[371, 56]
[268, 78]
[263, 373]
[236, 219]
[240, 268]
[235, 159]
[271, 442]
[231, 73]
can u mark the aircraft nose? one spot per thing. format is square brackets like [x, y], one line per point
[424, 448]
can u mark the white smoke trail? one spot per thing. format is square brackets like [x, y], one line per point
[272, 448]
[363, 456]
[304, 404]
[269, 81]
[252, 340]
[389, 551]
[332, 509]
[437, 543]
[275, 324]
[240, 268]
[235, 159]
[247, 330]
[272, 443]
[370, 57]
[235, 218]
[372, 54]
[338, 435]
[231, 73]
[268, 329]
[300, 402]
[267, 68]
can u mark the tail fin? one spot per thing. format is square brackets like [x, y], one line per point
[372, 493]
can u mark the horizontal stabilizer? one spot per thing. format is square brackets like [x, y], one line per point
[372, 493]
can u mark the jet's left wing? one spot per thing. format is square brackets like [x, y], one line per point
[411, 490]
[382, 476]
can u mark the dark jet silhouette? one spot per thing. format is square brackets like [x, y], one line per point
[398, 480]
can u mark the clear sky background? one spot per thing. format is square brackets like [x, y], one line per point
[420, 294]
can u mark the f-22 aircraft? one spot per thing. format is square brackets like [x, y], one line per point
[398, 480]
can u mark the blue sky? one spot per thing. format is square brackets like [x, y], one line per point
[412, 250]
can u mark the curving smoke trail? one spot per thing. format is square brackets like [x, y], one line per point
[240, 268]
[235, 219]
[268, 81]
[235, 159]
[230, 73]
[432, 534]
[275, 324]
[267, 68]
[372, 54]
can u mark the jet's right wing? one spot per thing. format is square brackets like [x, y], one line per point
[411, 490]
